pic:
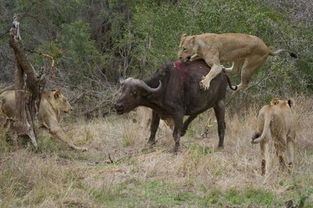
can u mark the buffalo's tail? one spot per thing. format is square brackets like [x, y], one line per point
[234, 88]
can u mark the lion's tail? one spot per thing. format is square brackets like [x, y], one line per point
[283, 50]
[259, 137]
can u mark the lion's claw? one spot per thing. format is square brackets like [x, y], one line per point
[203, 84]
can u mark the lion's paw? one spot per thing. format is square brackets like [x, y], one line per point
[204, 84]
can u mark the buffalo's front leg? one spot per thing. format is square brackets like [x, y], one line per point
[219, 110]
[154, 127]
[178, 119]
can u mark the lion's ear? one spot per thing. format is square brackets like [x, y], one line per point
[182, 39]
[274, 101]
[193, 40]
[183, 36]
[57, 93]
[291, 102]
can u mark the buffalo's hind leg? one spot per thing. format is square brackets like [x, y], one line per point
[219, 110]
[186, 124]
[153, 128]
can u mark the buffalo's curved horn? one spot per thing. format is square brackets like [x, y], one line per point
[150, 89]
[121, 80]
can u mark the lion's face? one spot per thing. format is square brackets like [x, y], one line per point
[186, 48]
[59, 101]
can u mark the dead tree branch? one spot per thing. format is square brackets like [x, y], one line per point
[28, 88]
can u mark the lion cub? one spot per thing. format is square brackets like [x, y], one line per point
[240, 49]
[276, 121]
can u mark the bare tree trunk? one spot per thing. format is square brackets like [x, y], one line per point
[21, 124]
[28, 90]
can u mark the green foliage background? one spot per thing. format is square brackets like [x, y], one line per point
[99, 41]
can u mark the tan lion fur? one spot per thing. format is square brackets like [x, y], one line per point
[276, 121]
[240, 49]
[52, 107]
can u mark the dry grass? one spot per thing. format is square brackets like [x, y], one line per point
[199, 176]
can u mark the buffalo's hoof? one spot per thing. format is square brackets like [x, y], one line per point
[148, 147]
[175, 149]
[151, 143]
[220, 147]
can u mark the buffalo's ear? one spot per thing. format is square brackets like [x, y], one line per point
[57, 93]
[291, 102]
[145, 94]
[274, 101]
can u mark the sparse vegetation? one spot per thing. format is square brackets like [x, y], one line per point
[199, 176]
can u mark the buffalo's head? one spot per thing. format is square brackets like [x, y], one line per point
[132, 93]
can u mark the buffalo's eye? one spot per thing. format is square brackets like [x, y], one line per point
[184, 49]
[134, 93]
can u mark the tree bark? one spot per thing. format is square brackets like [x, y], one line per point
[28, 91]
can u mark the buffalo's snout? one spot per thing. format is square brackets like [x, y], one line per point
[119, 108]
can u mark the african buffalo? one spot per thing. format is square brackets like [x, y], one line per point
[174, 91]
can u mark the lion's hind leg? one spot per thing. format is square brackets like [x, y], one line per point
[264, 157]
[280, 147]
[250, 65]
[290, 152]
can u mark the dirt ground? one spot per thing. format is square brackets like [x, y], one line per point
[118, 170]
